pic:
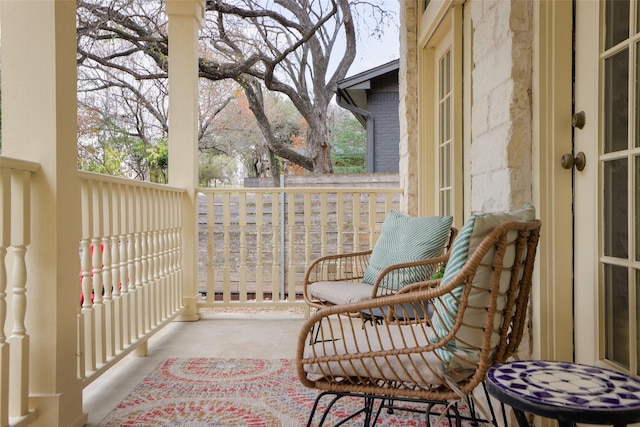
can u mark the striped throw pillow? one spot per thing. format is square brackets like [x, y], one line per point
[468, 239]
[405, 239]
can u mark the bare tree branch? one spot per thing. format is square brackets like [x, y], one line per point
[287, 47]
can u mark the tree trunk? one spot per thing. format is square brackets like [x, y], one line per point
[253, 91]
[318, 146]
[275, 170]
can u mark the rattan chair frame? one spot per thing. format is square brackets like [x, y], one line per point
[335, 326]
[350, 267]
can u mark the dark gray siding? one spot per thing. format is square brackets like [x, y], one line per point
[383, 106]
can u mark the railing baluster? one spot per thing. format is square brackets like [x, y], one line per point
[154, 262]
[98, 307]
[211, 269]
[339, 222]
[87, 314]
[115, 270]
[242, 223]
[148, 251]
[161, 258]
[178, 255]
[19, 339]
[159, 275]
[275, 227]
[5, 238]
[372, 219]
[259, 247]
[226, 221]
[125, 276]
[107, 272]
[143, 283]
[356, 222]
[324, 214]
[291, 277]
[172, 282]
[133, 264]
[388, 202]
[309, 245]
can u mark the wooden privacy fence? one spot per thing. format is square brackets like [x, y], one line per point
[255, 243]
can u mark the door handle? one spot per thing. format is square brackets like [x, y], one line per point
[579, 119]
[568, 161]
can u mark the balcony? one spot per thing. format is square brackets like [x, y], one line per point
[254, 246]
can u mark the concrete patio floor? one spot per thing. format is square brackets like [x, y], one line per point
[256, 334]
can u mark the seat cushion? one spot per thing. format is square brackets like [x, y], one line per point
[405, 239]
[341, 292]
[469, 336]
[419, 367]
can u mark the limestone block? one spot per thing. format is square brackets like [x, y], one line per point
[488, 151]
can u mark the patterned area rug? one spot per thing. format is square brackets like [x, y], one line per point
[233, 393]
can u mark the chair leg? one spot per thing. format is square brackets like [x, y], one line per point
[494, 419]
[326, 411]
[313, 409]
[380, 408]
[367, 408]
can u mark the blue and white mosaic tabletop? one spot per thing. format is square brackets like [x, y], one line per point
[568, 385]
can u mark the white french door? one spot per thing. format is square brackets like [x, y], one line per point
[607, 190]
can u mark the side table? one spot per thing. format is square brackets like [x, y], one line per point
[569, 392]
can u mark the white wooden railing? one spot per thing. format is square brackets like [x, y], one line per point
[15, 230]
[254, 247]
[132, 285]
[255, 243]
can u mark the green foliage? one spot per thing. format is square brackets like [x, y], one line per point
[157, 157]
[111, 150]
[438, 274]
[349, 145]
[106, 155]
[216, 169]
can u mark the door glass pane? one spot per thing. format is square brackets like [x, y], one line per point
[445, 132]
[637, 92]
[616, 241]
[447, 118]
[445, 165]
[616, 285]
[617, 21]
[637, 273]
[445, 202]
[636, 215]
[616, 102]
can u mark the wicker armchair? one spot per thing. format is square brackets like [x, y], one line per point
[339, 278]
[477, 320]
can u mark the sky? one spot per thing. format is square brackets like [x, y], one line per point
[372, 52]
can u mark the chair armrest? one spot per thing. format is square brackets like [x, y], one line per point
[392, 279]
[335, 268]
[420, 286]
[340, 267]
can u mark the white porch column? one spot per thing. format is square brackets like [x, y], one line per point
[39, 124]
[185, 17]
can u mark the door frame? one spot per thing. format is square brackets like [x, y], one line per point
[552, 321]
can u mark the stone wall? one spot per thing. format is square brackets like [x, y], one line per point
[501, 127]
[408, 106]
